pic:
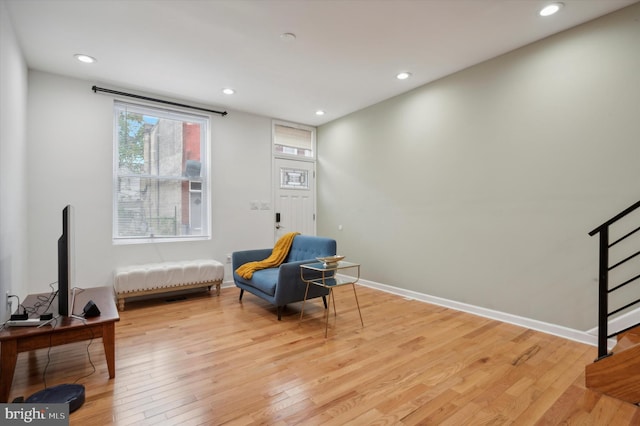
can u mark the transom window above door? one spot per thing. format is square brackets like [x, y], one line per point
[294, 140]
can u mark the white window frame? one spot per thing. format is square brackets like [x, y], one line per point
[205, 123]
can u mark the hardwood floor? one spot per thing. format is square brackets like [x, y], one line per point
[209, 360]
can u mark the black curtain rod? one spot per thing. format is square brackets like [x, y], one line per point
[131, 95]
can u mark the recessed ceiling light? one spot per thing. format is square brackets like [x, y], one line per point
[403, 75]
[288, 36]
[319, 112]
[85, 58]
[228, 91]
[550, 9]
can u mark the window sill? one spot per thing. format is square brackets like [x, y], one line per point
[153, 240]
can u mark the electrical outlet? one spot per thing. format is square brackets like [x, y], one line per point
[7, 302]
[228, 258]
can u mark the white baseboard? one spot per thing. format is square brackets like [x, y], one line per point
[544, 327]
[589, 337]
[621, 322]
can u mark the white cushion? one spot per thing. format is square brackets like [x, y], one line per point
[167, 275]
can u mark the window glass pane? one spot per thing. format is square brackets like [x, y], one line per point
[160, 176]
[160, 208]
[294, 178]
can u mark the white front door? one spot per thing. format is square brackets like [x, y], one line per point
[295, 197]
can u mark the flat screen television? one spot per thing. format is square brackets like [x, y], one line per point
[66, 267]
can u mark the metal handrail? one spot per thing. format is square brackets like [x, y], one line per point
[615, 218]
[603, 278]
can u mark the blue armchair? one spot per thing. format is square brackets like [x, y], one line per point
[283, 285]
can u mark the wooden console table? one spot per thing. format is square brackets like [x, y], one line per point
[14, 340]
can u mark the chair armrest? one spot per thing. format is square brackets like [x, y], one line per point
[290, 271]
[241, 257]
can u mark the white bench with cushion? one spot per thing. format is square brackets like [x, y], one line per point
[156, 278]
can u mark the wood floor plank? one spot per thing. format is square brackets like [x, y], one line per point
[207, 360]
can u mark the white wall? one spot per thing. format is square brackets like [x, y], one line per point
[482, 187]
[13, 188]
[70, 150]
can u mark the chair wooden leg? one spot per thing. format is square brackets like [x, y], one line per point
[241, 293]
[279, 309]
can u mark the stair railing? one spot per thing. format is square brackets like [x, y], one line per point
[603, 279]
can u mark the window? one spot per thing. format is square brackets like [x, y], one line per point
[160, 174]
[293, 140]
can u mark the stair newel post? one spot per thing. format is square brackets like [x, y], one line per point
[603, 296]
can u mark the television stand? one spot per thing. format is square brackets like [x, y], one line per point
[14, 340]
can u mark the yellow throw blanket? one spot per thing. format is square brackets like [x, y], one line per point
[279, 253]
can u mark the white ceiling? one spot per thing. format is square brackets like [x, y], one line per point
[344, 58]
